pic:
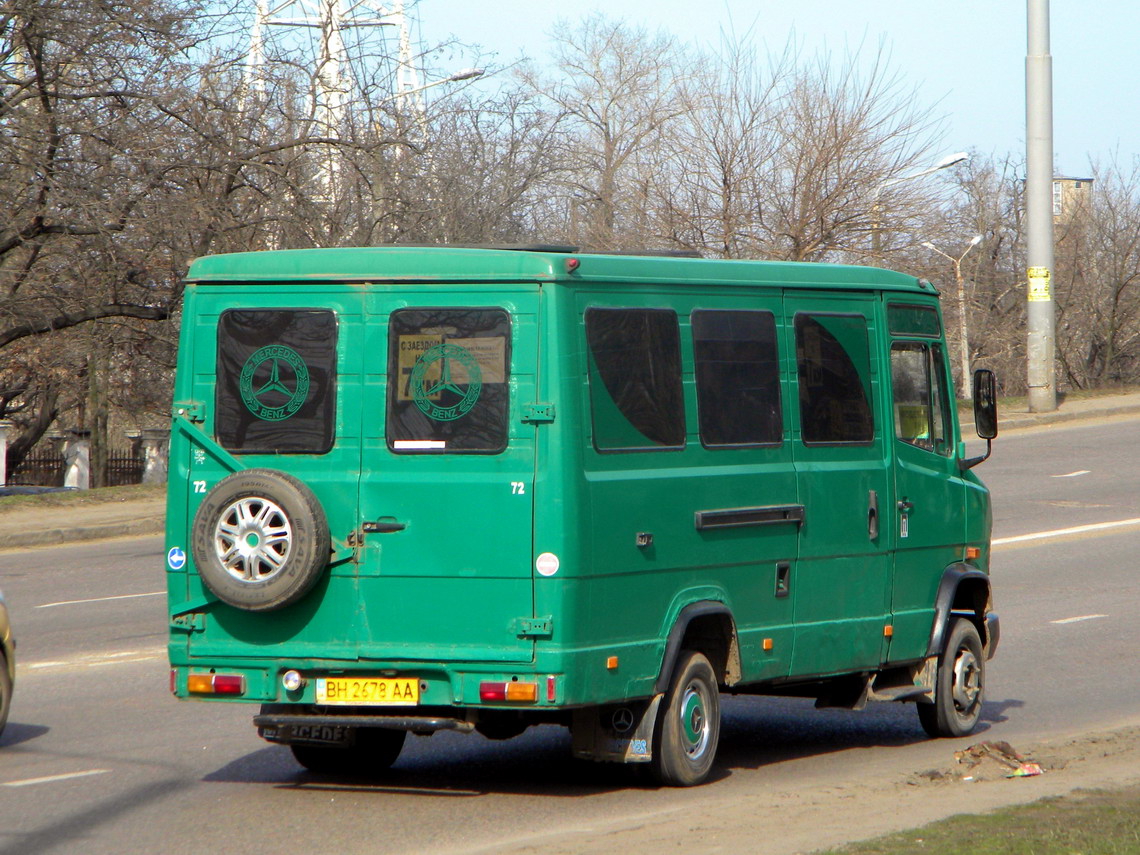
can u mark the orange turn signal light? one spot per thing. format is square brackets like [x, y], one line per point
[513, 691]
[973, 552]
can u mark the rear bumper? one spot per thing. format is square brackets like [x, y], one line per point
[288, 729]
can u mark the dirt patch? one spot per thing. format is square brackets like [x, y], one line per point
[847, 798]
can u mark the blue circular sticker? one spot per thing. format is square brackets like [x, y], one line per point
[176, 558]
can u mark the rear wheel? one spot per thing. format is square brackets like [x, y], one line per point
[959, 688]
[688, 727]
[376, 749]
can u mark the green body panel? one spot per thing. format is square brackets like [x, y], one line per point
[454, 596]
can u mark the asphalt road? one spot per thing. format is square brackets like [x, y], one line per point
[99, 758]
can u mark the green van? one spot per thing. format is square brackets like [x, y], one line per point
[422, 489]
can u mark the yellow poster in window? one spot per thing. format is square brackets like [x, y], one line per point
[411, 348]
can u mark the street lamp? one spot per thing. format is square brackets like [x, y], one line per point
[945, 163]
[963, 338]
[419, 123]
[464, 74]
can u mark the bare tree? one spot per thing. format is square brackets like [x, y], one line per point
[618, 95]
[1098, 282]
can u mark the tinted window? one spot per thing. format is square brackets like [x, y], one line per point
[738, 378]
[635, 378]
[447, 380]
[276, 389]
[833, 361]
[906, 319]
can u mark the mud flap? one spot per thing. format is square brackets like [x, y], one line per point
[621, 733]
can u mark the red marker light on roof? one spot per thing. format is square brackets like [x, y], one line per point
[572, 264]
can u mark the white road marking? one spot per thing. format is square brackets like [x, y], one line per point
[98, 660]
[100, 599]
[51, 779]
[1064, 532]
[1077, 619]
[1072, 474]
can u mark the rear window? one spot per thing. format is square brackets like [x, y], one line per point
[448, 380]
[635, 379]
[276, 386]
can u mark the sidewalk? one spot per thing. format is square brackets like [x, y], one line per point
[24, 526]
[1067, 411]
[28, 525]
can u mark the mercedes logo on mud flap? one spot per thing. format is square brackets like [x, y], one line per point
[271, 398]
[622, 720]
[425, 391]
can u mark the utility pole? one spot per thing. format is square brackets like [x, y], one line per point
[1041, 341]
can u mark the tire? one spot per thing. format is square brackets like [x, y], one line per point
[959, 688]
[688, 725]
[260, 540]
[5, 692]
[376, 749]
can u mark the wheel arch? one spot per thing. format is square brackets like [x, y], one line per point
[709, 627]
[964, 589]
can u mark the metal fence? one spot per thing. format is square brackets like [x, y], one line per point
[43, 468]
[46, 468]
[123, 468]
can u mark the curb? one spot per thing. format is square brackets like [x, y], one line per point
[1024, 420]
[78, 534]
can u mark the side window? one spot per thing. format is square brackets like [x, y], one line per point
[921, 406]
[448, 373]
[834, 365]
[276, 381]
[738, 378]
[635, 379]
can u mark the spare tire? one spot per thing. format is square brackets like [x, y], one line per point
[260, 540]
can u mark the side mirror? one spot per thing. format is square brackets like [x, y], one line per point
[985, 414]
[985, 403]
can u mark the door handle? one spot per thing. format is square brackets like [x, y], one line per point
[872, 514]
[386, 525]
[905, 506]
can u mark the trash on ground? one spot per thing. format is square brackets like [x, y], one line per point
[1000, 754]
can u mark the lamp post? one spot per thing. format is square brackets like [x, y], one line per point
[420, 122]
[944, 163]
[963, 337]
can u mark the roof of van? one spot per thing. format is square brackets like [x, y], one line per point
[455, 264]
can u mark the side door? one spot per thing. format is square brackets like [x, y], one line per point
[842, 575]
[447, 475]
[930, 493]
[276, 372]
[748, 512]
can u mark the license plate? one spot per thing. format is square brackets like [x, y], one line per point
[368, 691]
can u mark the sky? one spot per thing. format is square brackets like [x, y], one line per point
[964, 57]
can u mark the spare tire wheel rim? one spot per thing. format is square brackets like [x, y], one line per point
[253, 539]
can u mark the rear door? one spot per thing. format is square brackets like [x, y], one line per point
[447, 474]
[841, 587]
[277, 373]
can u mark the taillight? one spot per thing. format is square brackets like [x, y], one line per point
[511, 692]
[216, 684]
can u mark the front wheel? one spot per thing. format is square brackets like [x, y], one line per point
[959, 687]
[688, 727]
[375, 749]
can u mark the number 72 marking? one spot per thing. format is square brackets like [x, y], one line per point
[518, 488]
